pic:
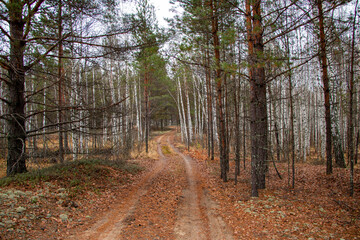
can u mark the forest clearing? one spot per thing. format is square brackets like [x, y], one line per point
[179, 119]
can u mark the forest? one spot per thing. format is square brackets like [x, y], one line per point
[256, 87]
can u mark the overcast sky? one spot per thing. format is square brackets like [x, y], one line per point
[162, 8]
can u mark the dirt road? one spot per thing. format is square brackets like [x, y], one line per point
[170, 202]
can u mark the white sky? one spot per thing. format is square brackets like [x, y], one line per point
[162, 9]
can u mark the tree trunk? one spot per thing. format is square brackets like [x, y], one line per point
[60, 76]
[292, 130]
[218, 79]
[326, 89]
[292, 134]
[189, 120]
[258, 111]
[350, 118]
[357, 148]
[209, 105]
[16, 133]
[244, 132]
[146, 97]
[237, 130]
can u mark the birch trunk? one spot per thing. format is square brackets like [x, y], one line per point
[188, 114]
[60, 92]
[185, 126]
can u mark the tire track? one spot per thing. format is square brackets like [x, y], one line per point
[110, 226]
[189, 224]
[198, 204]
[170, 202]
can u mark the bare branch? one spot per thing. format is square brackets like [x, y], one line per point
[46, 53]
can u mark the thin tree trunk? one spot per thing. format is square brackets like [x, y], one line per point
[357, 148]
[350, 118]
[209, 106]
[180, 107]
[244, 131]
[292, 135]
[218, 79]
[292, 128]
[237, 131]
[146, 96]
[60, 76]
[185, 122]
[94, 107]
[190, 130]
[326, 89]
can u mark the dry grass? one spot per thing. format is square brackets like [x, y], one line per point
[37, 163]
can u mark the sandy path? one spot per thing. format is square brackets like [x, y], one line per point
[197, 205]
[190, 224]
[170, 202]
[110, 225]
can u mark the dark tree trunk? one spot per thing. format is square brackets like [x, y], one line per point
[16, 158]
[209, 122]
[277, 142]
[237, 132]
[147, 125]
[338, 151]
[292, 135]
[210, 108]
[218, 79]
[244, 132]
[325, 79]
[357, 148]
[351, 103]
[258, 109]
[209, 103]
[227, 119]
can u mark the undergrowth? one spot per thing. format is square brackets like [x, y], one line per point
[70, 173]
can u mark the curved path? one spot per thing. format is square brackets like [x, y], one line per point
[170, 202]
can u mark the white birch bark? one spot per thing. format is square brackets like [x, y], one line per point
[105, 118]
[85, 128]
[188, 112]
[118, 113]
[183, 117]
[113, 120]
[127, 104]
[196, 123]
[74, 125]
[137, 113]
[81, 113]
[94, 106]
[44, 120]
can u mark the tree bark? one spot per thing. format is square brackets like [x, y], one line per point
[350, 118]
[210, 112]
[292, 134]
[16, 133]
[60, 93]
[237, 130]
[218, 79]
[258, 111]
[326, 89]
[146, 98]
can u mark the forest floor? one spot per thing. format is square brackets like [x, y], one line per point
[172, 193]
